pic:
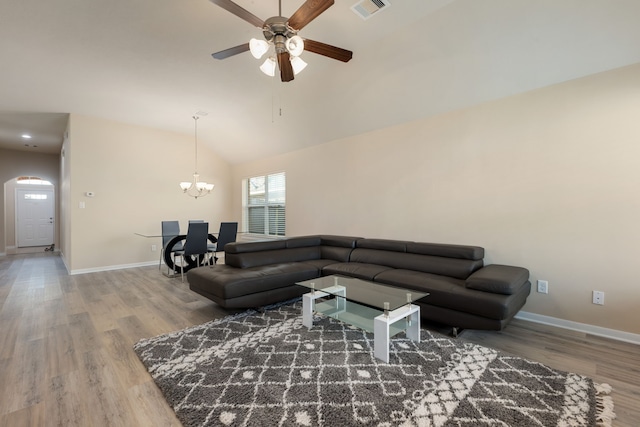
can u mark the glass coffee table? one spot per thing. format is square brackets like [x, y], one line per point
[381, 309]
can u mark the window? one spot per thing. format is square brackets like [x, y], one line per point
[265, 204]
[32, 180]
[35, 197]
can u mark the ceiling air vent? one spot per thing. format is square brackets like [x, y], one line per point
[365, 9]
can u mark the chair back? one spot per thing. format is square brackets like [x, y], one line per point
[170, 229]
[227, 234]
[197, 236]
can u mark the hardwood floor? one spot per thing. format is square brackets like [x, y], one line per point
[66, 356]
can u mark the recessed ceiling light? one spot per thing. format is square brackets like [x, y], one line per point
[26, 136]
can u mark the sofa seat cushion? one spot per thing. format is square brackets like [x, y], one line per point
[228, 282]
[354, 269]
[449, 293]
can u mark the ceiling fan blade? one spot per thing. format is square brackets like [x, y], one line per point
[328, 50]
[230, 6]
[223, 54]
[308, 12]
[284, 63]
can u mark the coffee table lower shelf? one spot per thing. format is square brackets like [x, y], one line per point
[383, 325]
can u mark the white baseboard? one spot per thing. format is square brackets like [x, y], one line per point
[112, 267]
[580, 327]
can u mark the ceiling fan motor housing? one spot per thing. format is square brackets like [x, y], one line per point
[277, 26]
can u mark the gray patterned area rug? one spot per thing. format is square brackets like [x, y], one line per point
[267, 369]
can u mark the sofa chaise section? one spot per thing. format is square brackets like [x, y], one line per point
[260, 273]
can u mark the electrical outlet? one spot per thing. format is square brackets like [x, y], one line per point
[598, 297]
[543, 286]
[154, 248]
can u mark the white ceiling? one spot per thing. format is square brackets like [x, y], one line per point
[148, 62]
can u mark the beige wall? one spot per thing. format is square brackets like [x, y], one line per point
[547, 180]
[134, 173]
[23, 163]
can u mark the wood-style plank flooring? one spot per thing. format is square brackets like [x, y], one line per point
[67, 359]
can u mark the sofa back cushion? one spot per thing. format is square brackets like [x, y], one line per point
[303, 241]
[278, 256]
[242, 247]
[448, 251]
[456, 261]
[294, 249]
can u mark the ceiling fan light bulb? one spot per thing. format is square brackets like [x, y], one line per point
[297, 64]
[269, 67]
[258, 48]
[295, 45]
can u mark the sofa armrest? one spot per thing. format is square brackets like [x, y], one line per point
[498, 279]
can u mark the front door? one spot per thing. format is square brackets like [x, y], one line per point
[34, 215]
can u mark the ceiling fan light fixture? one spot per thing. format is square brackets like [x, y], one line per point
[269, 66]
[295, 45]
[258, 48]
[297, 64]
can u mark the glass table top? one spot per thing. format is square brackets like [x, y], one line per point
[364, 292]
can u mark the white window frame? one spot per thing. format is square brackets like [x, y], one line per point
[278, 205]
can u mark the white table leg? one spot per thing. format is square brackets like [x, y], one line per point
[381, 338]
[308, 303]
[308, 306]
[413, 330]
[381, 329]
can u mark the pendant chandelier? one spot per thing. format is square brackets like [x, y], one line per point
[196, 188]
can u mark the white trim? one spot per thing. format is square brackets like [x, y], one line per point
[613, 334]
[112, 267]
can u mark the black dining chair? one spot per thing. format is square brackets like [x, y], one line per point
[195, 243]
[228, 233]
[170, 229]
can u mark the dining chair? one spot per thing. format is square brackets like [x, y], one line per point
[195, 243]
[228, 233]
[170, 229]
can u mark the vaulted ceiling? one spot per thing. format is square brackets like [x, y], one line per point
[148, 62]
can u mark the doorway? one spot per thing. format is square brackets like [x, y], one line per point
[35, 218]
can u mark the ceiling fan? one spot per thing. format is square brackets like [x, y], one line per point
[282, 33]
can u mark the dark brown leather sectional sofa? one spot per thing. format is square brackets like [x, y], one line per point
[463, 293]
